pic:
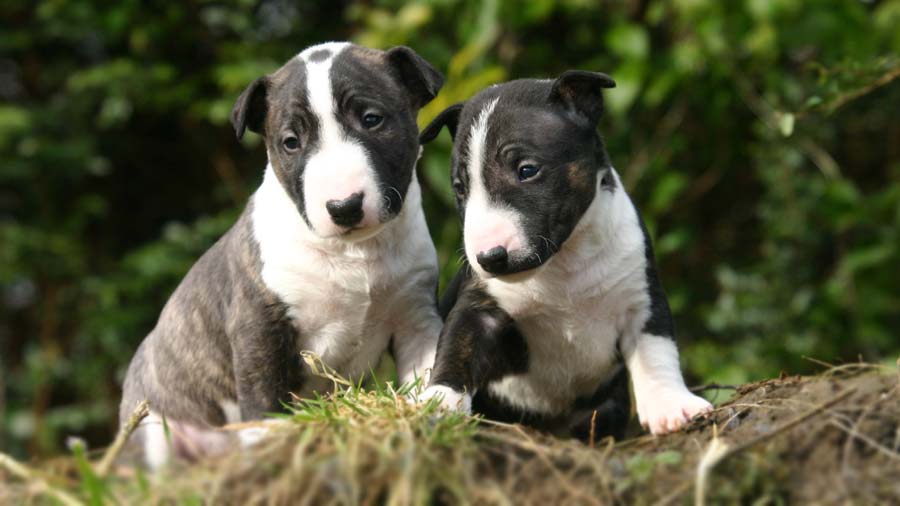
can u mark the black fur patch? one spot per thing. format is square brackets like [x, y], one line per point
[659, 323]
[480, 342]
[528, 127]
[608, 410]
[363, 81]
[320, 55]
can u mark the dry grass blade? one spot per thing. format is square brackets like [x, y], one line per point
[139, 413]
[719, 451]
[875, 445]
[320, 368]
[23, 472]
[715, 453]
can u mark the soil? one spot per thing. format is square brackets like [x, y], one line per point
[830, 439]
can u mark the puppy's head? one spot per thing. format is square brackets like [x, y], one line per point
[339, 123]
[526, 162]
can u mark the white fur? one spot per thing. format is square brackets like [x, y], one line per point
[450, 399]
[664, 404]
[208, 441]
[156, 445]
[231, 410]
[349, 298]
[341, 166]
[573, 309]
[488, 224]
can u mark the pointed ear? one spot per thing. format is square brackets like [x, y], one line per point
[581, 92]
[419, 77]
[449, 117]
[250, 109]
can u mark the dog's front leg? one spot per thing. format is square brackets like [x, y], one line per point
[266, 367]
[415, 340]
[479, 343]
[417, 323]
[664, 403]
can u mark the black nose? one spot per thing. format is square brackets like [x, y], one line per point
[347, 212]
[493, 260]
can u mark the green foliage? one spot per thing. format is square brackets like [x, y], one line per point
[758, 138]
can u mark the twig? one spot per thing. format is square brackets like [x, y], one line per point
[866, 439]
[734, 417]
[22, 472]
[855, 431]
[676, 493]
[139, 413]
[712, 386]
[593, 429]
[817, 361]
[718, 450]
[770, 116]
[884, 80]
[793, 423]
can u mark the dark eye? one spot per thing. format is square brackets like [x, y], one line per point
[458, 187]
[527, 172]
[291, 143]
[371, 120]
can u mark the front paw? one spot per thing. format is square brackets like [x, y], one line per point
[448, 399]
[665, 411]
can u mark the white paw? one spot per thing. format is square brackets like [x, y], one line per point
[665, 411]
[450, 399]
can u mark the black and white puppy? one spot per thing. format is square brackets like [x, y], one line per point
[560, 293]
[332, 253]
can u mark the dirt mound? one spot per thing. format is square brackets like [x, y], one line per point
[829, 439]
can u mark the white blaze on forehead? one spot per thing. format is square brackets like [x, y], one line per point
[332, 47]
[488, 224]
[340, 166]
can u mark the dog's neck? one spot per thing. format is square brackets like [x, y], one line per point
[602, 233]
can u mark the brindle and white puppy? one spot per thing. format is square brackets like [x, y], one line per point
[332, 253]
[560, 291]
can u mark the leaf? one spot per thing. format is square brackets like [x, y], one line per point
[669, 457]
[786, 124]
[629, 41]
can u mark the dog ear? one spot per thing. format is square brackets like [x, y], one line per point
[418, 76]
[449, 117]
[581, 92]
[250, 109]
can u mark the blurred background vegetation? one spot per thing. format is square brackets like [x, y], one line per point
[760, 139]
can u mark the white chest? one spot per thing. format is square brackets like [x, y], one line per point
[341, 296]
[342, 314]
[572, 349]
[573, 311]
